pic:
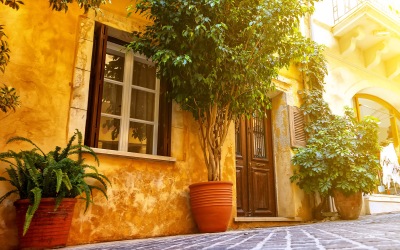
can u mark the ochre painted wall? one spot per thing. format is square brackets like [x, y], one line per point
[147, 198]
[42, 47]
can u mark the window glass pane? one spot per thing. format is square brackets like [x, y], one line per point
[142, 105]
[238, 141]
[372, 108]
[114, 67]
[140, 138]
[144, 75]
[109, 133]
[258, 137]
[112, 99]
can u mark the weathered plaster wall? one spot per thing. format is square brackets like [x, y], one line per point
[42, 47]
[283, 171]
[50, 69]
[291, 200]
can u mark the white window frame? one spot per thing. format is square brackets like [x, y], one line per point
[127, 87]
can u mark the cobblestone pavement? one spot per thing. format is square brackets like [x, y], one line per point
[368, 232]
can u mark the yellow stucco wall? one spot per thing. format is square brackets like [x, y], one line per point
[50, 68]
[147, 198]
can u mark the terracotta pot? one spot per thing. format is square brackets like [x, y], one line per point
[348, 206]
[48, 228]
[211, 204]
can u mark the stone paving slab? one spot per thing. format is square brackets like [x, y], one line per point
[368, 232]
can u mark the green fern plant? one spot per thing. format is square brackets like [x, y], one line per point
[58, 174]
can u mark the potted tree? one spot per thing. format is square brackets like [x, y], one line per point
[47, 184]
[341, 155]
[220, 58]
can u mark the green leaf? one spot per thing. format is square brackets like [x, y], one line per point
[59, 176]
[66, 181]
[37, 192]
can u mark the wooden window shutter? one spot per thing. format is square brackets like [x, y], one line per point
[296, 124]
[96, 85]
[164, 119]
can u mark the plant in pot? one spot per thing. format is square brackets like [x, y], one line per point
[220, 58]
[341, 155]
[47, 184]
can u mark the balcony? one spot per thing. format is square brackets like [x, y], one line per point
[372, 27]
[343, 8]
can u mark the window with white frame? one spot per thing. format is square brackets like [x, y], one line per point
[124, 101]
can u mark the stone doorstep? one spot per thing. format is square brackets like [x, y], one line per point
[267, 219]
[381, 203]
[382, 198]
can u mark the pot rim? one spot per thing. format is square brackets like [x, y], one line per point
[25, 201]
[205, 183]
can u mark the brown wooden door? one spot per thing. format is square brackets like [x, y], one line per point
[255, 182]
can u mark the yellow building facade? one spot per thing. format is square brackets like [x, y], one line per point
[362, 40]
[51, 64]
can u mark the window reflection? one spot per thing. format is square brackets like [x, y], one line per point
[142, 105]
[112, 99]
[140, 138]
[114, 67]
[109, 133]
[144, 75]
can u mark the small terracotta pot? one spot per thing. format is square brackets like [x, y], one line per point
[48, 228]
[211, 204]
[348, 206]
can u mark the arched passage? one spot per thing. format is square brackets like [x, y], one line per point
[389, 116]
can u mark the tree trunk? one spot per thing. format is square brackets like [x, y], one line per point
[214, 124]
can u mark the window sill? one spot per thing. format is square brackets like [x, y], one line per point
[267, 219]
[133, 155]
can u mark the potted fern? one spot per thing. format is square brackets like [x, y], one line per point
[47, 184]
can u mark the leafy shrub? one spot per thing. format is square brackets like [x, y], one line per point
[341, 153]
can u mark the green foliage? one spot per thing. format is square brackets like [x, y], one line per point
[58, 174]
[62, 5]
[4, 50]
[8, 96]
[8, 99]
[15, 4]
[221, 57]
[341, 152]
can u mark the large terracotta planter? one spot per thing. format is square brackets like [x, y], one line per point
[348, 206]
[48, 228]
[211, 204]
